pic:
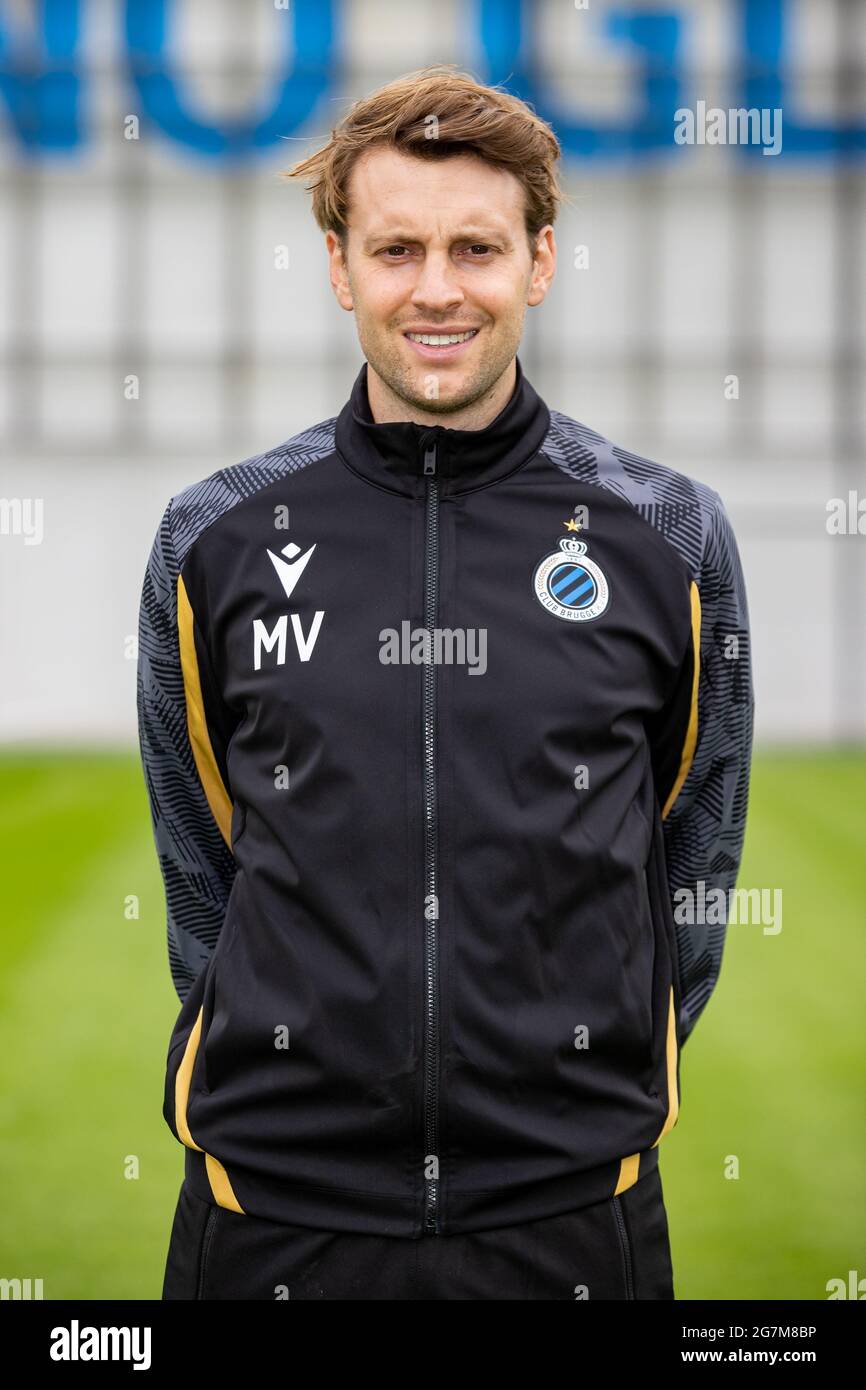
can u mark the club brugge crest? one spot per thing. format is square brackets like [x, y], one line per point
[569, 585]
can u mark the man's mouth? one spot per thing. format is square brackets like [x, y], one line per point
[442, 339]
[441, 347]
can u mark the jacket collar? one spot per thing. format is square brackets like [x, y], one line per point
[392, 455]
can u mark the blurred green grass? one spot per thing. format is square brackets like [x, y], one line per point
[773, 1074]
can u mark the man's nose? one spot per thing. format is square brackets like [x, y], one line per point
[438, 282]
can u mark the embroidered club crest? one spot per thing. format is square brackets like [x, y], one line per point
[570, 585]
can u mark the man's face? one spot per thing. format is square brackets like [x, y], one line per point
[438, 245]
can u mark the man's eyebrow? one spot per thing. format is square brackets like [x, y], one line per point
[471, 232]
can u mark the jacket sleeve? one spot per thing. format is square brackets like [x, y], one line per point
[705, 820]
[195, 859]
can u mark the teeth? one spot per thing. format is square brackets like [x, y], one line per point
[441, 339]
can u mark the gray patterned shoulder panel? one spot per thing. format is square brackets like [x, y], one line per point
[705, 827]
[196, 864]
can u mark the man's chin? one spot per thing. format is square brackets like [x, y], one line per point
[455, 388]
[443, 404]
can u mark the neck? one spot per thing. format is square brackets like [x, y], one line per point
[387, 407]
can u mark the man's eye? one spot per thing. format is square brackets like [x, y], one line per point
[478, 248]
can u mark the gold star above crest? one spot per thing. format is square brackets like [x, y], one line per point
[572, 525]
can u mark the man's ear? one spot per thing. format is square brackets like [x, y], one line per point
[543, 266]
[338, 271]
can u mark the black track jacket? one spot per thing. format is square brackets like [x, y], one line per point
[436, 727]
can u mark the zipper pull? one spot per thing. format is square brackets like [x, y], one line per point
[430, 459]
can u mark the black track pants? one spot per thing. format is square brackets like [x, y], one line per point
[617, 1248]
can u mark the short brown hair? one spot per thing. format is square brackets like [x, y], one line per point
[470, 118]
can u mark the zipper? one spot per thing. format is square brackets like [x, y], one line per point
[431, 915]
[626, 1248]
[205, 1249]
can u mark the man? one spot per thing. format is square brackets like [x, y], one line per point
[441, 702]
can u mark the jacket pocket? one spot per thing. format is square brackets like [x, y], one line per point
[204, 1253]
[184, 1070]
[666, 999]
[665, 983]
[624, 1245]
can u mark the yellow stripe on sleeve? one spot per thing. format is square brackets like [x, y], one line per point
[692, 730]
[202, 750]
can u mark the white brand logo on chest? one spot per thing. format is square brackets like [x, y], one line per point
[289, 571]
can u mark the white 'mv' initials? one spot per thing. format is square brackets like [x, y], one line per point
[264, 640]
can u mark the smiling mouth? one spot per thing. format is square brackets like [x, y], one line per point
[442, 340]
